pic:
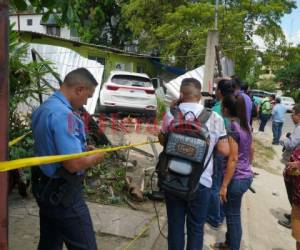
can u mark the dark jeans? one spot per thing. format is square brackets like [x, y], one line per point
[216, 214]
[264, 118]
[194, 213]
[289, 191]
[70, 225]
[277, 130]
[235, 192]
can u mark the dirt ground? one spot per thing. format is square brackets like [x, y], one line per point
[260, 211]
[24, 219]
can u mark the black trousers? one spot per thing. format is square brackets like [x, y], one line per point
[71, 224]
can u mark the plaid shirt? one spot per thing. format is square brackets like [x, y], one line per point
[293, 177]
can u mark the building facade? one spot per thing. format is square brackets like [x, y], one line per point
[34, 23]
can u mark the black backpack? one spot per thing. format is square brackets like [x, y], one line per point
[181, 163]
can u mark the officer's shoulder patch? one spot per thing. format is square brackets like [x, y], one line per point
[70, 123]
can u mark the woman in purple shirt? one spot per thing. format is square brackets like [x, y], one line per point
[237, 173]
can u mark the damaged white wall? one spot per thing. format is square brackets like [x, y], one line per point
[65, 60]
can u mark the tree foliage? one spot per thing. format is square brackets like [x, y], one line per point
[289, 79]
[98, 21]
[176, 30]
[23, 77]
[179, 30]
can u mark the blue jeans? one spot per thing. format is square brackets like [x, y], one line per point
[277, 130]
[235, 192]
[264, 118]
[72, 226]
[194, 213]
[216, 214]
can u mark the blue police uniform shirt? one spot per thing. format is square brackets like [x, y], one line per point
[57, 130]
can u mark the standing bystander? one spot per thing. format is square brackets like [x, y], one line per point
[289, 143]
[278, 113]
[237, 175]
[216, 214]
[265, 111]
[193, 213]
[292, 175]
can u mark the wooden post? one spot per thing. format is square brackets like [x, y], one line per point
[210, 60]
[4, 24]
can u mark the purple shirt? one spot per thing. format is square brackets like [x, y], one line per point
[248, 104]
[244, 141]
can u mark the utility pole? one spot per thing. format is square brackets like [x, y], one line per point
[216, 14]
[210, 55]
[4, 22]
[210, 60]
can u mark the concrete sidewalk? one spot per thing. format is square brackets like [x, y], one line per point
[116, 227]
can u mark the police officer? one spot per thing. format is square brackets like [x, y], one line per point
[58, 129]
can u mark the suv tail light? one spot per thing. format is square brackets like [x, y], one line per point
[150, 91]
[111, 87]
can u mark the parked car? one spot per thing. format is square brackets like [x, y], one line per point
[288, 102]
[258, 95]
[128, 93]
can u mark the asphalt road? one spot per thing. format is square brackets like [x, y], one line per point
[288, 125]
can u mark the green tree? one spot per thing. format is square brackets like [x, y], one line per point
[97, 21]
[178, 29]
[289, 79]
[23, 89]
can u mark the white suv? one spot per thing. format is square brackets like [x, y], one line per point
[288, 102]
[129, 93]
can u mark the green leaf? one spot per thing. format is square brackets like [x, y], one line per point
[20, 4]
[49, 4]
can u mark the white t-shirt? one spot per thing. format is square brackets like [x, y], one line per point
[215, 126]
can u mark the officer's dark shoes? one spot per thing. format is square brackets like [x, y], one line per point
[285, 222]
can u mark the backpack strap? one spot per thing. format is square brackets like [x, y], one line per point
[175, 111]
[204, 116]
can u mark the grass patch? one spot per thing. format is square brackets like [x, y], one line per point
[263, 155]
[262, 151]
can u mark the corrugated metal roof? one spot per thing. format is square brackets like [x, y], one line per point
[77, 43]
[65, 60]
[173, 86]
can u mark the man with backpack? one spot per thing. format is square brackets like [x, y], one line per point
[190, 133]
[265, 111]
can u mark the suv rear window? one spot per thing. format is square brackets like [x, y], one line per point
[128, 80]
[287, 99]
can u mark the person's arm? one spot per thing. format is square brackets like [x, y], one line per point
[294, 164]
[65, 129]
[230, 168]
[161, 138]
[79, 164]
[166, 120]
[293, 140]
[218, 127]
[222, 146]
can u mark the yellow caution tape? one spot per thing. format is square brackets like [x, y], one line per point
[14, 141]
[35, 161]
[146, 227]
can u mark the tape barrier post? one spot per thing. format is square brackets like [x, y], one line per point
[36, 161]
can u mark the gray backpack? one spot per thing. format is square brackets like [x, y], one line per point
[181, 162]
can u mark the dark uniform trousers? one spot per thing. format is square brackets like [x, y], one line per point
[60, 224]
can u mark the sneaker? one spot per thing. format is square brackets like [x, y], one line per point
[219, 246]
[213, 226]
[287, 216]
[286, 223]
